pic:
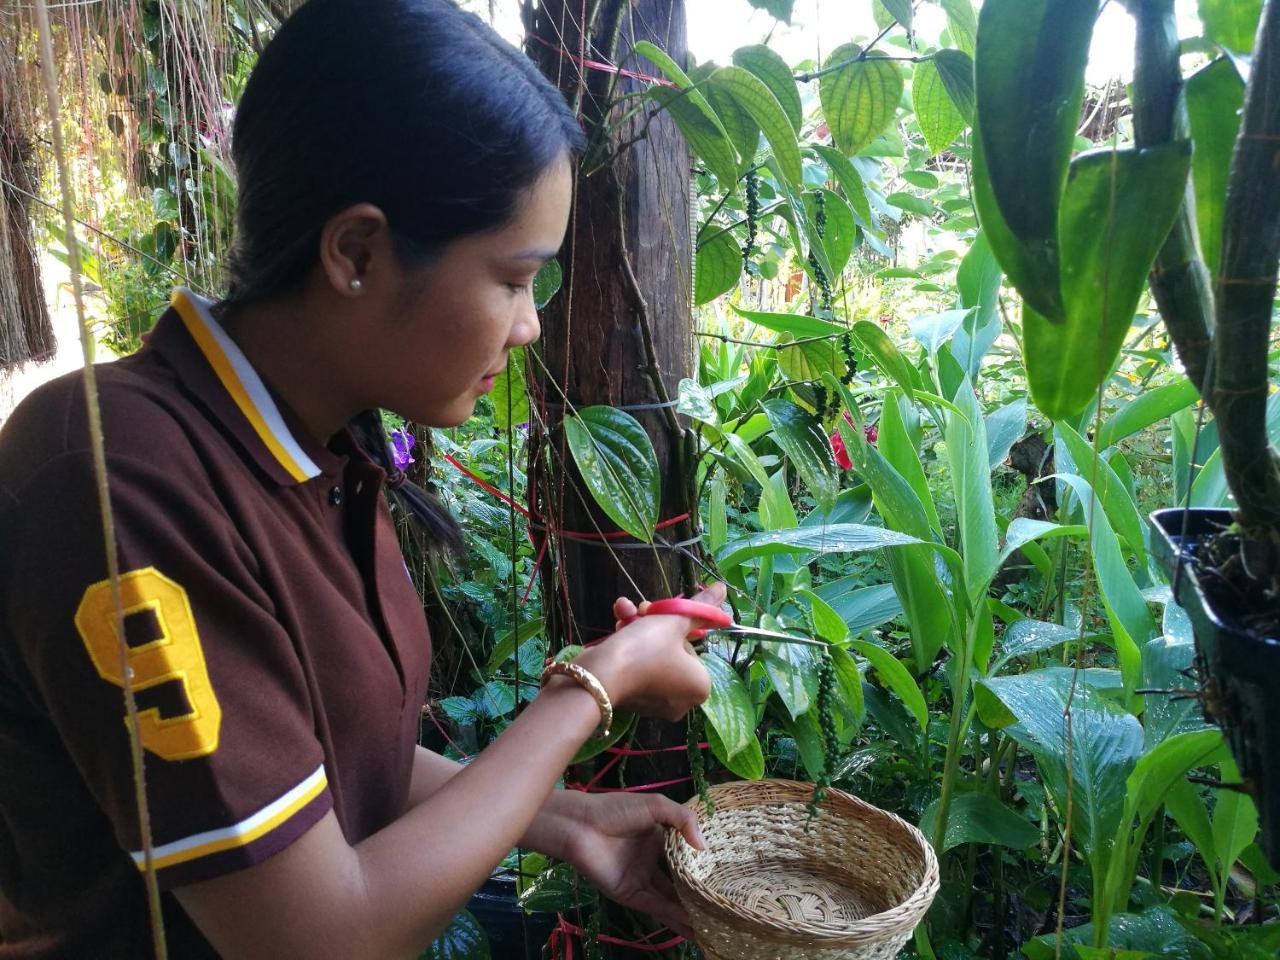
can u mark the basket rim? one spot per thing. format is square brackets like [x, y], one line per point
[875, 928]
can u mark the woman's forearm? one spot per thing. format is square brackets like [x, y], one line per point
[427, 863]
[548, 834]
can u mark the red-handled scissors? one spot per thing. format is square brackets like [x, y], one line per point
[718, 621]
[708, 613]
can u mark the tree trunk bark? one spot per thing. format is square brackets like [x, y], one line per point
[25, 330]
[627, 264]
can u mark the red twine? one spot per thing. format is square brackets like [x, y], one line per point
[582, 62]
[561, 942]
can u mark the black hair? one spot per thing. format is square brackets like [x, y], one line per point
[414, 106]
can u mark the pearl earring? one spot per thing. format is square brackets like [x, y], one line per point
[355, 285]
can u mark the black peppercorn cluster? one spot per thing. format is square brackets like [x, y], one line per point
[753, 213]
[820, 278]
[850, 361]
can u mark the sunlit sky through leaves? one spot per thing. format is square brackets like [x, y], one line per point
[718, 27]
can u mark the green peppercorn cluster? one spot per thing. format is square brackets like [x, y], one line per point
[827, 724]
[697, 761]
[753, 213]
[850, 361]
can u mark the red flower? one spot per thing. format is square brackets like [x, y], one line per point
[838, 448]
[871, 433]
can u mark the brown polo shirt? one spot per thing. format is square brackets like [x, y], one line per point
[278, 648]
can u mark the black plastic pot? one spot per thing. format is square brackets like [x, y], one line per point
[1239, 670]
[513, 934]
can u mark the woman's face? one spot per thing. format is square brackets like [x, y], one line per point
[471, 305]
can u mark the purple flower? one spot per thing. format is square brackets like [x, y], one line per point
[401, 443]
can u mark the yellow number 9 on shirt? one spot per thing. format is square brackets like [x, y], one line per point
[173, 654]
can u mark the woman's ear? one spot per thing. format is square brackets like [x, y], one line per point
[356, 249]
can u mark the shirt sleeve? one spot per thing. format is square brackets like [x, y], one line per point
[234, 771]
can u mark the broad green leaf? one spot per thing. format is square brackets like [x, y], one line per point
[826, 622]
[463, 939]
[1151, 406]
[1188, 810]
[1131, 622]
[779, 9]
[940, 121]
[696, 401]
[1024, 530]
[978, 279]
[963, 23]
[755, 97]
[728, 708]
[1029, 85]
[1235, 820]
[899, 10]
[1215, 96]
[860, 99]
[766, 64]
[896, 446]
[1232, 23]
[851, 182]
[801, 225]
[792, 672]
[558, 889]
[849, 684]
[1167, 763]
[831, 538]
[1115, 215]
[861, 608]
[980, 818]
[718, 266]
[616, 459]
[1156, 933]
[747, 763]
[932, 330]
[505, 648]
[1005, 427]
[718, 517]
[841, 232]
[885, 353]
[546, 283]
[798, 325]
[1116, 500]
[967, 457]
[808, 737]
[164, 204]
[803, 440]
[896, 677]
[1163, 662]
[809, 359]
[910, 203]
[1101, 750]
[702, 131]
[955, 67]
[743, 131]
[1026, 637]
[509, 396]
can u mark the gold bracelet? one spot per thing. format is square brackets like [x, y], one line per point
[588, 681]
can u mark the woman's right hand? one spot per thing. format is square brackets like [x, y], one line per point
[648, 666]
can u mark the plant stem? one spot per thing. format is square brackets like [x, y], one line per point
[955, 738]
[1247, 287]
[1179, 279]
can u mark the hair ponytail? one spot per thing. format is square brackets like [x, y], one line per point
[429, 516]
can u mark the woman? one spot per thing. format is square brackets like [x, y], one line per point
[403, 174]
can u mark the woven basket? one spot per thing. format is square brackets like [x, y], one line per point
[851, 887]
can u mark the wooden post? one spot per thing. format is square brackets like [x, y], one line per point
[627, 264]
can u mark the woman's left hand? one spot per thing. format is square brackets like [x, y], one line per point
[617, 845]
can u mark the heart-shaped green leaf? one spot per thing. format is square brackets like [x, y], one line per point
[860, 98]
[615, 457]
[805, 443]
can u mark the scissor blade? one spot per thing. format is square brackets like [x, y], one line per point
[775, 636]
